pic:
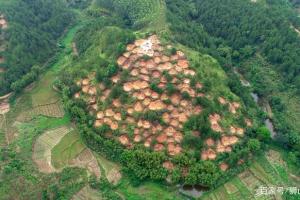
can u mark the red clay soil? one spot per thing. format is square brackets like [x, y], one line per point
[224, 166]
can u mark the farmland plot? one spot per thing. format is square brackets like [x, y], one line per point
[87, 160]
[71, 151]
[87, 193]
[112, 170]
[43, 145]
[49, 110]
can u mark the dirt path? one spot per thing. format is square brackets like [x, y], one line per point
[5, 96]
[298, 31]
[75, 50]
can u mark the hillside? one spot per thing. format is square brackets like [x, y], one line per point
[28, 35]
[154, 97]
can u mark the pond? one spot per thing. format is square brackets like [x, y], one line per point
[270, 126]
[194, 191]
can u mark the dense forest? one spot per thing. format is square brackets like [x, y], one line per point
[248, 28]
[133, 12]
[31, 37]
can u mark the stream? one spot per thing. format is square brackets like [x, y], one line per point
[264, 105]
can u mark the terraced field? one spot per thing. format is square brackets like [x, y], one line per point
[48, 110]
[71, 151]
[262, 173]
[67, 149]
[43, 146]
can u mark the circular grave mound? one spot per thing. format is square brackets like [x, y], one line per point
[161, 91]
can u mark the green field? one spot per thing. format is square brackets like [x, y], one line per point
[67, 149]
[148, 191]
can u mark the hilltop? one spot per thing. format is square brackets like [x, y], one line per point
[153, 98]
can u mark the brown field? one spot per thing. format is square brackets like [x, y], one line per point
[253, 183]
[49, 110]
[274, 157]
[87, 160]
[231, 188]
[74, 48]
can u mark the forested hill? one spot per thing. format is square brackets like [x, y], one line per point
[249, 27]
[30, 39]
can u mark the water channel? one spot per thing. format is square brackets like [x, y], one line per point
[264, 105]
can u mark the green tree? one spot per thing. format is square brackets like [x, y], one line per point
[253, 145]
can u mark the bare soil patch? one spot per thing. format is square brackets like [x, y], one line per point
[3, 22]
[4, 107]
[75, 50]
